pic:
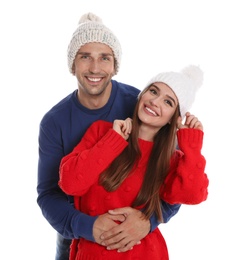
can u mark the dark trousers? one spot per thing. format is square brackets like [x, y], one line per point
[62, 248]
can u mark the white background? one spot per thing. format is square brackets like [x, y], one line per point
[155, 36]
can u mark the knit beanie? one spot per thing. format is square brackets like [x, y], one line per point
[91, 29]
[184, 84]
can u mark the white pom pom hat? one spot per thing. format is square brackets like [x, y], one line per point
[91, 29]
[184, 84]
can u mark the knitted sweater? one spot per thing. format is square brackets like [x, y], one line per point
[79, 172]
[61, 129]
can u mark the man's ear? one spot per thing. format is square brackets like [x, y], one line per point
[73, 69]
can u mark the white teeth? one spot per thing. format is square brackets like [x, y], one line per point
[94, 79]
[151, 111]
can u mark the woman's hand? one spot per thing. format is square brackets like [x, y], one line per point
[123, 127]
[190, 122]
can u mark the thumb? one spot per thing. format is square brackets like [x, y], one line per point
[123, 211]
[179, 122]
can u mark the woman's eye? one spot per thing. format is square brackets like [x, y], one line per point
[168, 102]
[153, 91]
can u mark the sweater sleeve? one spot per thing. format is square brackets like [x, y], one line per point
[187, 182]
[54, 204]
[80, 169]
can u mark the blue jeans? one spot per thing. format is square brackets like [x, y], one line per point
[62, 248]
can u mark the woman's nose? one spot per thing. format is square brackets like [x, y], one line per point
[154, 101]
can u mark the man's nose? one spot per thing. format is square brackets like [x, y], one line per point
[95, 66]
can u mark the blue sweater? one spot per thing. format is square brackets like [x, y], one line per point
[61, 129]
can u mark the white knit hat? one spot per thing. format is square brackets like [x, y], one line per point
[91, 29]
[184, 84]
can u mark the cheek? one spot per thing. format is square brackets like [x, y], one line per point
[167, 115]
[140, 112]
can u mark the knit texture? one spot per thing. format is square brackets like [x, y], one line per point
[91, 29]
[185, 84]
[60, 131]
[79, 172]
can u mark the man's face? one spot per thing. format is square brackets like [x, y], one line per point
[94, 68]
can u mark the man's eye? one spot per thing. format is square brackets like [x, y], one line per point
[105, 58]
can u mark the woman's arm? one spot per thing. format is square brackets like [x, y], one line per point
[80, 169]
[187, 182]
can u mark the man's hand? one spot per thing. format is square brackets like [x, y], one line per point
[105, 223]
[127, 234]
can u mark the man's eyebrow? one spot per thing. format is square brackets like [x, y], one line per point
[83, 53]
[107, 54]
[102, 54]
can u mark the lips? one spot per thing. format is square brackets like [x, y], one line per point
[151, 111]
[94, 79]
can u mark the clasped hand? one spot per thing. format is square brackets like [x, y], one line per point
[191, 121]
[123, 127]
[122, 237]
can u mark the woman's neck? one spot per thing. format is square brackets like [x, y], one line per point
[147, 133]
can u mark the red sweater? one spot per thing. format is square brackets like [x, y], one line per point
[186, 183]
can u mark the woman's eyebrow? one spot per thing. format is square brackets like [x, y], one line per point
[168, 96]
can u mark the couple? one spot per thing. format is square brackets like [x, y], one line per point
[128, 162]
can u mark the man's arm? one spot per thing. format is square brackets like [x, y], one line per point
[56, 206]
[135, 227]
[61, 214]
[168, 212]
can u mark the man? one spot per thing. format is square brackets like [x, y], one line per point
[94, 56]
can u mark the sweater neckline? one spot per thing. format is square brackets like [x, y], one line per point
[144, 144]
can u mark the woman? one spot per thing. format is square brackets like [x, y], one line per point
[136, 163]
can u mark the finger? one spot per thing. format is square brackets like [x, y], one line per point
[116, 241]
[129, 246]
[193, 122]
[179, 123]
[128, 126]
[126, 129]
[117, 126]
[114, 232]
[180, 126]
[199, 125]
[117, 217]
[121, 211]
[190, 121]
[123, 246]
[119, 243]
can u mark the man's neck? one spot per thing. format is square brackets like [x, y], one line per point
[94, 101]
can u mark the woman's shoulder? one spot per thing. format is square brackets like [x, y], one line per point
[101, 125]
[98, 129]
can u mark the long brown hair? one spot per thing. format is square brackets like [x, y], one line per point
[157, 167]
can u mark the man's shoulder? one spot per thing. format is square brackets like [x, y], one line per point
[126, 88]
[59, 109]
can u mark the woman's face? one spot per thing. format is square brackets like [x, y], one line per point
[157, 105]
